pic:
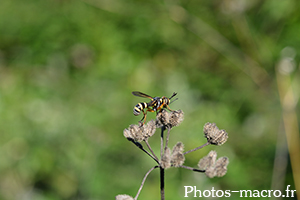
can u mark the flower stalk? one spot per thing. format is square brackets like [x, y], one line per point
[209, 164]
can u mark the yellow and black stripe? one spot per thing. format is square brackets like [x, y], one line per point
[139, 107]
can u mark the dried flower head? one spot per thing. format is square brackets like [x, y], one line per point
[149, 129]
[178, 148]
[140, 133]
[177, 157]
[175, 118]
[162, 119]
[214, 135]
[221, 166]
[208, 161]
[166, 159]
[123, 197]
[169, 120]
[132, 132]
[210, 172]
[212, 167]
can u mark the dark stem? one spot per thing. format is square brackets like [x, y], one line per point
[139, 145]
[162, 183]
[197, 148]
[143, 182]
[193, 169]
[162, 141]
[162, 171]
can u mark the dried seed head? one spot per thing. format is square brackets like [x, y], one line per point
[176, 117]
[128, 134]
[214, 135]
[135, 128]
[166, 159]
[212, 167]
[210, 172]
[133, 132]
[123, 197]
[177, 157]
[140, 133]
[178, 148]
[169, 120]
[208, 161]
[221, 166]
[162, 119]
[149, 129]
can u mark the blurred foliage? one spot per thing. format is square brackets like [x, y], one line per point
[67, 69]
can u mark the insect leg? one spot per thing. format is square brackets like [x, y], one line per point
[169, 108]
[145, 115]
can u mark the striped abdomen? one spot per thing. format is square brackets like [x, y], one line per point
[139, 107]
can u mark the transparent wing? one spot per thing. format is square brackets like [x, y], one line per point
[140, 94]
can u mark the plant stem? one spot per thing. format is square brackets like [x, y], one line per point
[149, 147]
[197, 148]
[167, 139]
[162, 141]
[139, 145]
[162, 171]
[143, 182]
[162, 183]
[193, 169]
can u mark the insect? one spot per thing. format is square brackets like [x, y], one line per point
[156, 104]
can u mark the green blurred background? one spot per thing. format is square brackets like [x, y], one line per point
[67, 69]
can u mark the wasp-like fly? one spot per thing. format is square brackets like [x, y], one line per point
[155, 105]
